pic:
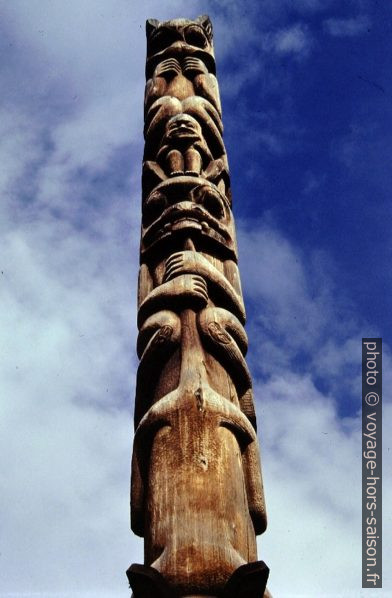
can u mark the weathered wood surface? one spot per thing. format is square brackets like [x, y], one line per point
[196, 490]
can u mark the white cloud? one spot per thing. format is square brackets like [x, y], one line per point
[295, 305]
[312, 476]
[294, 40]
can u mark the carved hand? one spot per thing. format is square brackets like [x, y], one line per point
[193, 66]
[191, 262]
[184, 262]
[184, 291]
[171, 66]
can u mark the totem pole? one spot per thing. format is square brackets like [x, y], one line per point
[196, 490]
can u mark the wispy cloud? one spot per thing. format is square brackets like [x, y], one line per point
[347, 27]
[295, 40]
[300, 318]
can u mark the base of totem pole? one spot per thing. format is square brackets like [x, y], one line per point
[248, 581]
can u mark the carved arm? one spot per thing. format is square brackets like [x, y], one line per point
[191, 262]
[187, 291]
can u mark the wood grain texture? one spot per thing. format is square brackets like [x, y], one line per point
[196, 489]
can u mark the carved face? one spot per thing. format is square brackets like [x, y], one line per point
[188, 206]
[184, 127]
[180, 37]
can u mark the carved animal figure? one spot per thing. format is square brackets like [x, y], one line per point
[178, 38]
[182, 79]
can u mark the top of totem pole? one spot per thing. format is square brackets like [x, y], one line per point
[180, 37]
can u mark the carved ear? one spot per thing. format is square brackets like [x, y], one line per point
[205, 22]
[151, 25]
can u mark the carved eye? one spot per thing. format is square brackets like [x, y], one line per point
[213, 204]
[211, 201]
[162, 39]
[217, 333]
[194, 36]
[154, 205]
[163, 335]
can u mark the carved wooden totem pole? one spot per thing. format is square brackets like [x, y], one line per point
[196, 491]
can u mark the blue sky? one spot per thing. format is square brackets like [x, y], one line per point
[306, 93]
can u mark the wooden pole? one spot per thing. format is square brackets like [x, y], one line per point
[196, 490]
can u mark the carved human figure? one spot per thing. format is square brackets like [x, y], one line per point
[184, 150]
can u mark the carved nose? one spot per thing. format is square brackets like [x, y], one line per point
[178, 45]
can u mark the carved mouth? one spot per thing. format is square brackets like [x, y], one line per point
[185, 215]
[183, 131]
[183, 134]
